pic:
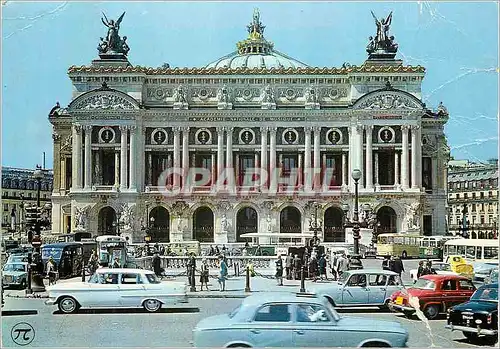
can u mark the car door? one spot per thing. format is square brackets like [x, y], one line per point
[313, 326]
[271, 326]
[377, 285]
[103, 292]
[131, 290]
[451, 293]
[466, 289]
[355, 290]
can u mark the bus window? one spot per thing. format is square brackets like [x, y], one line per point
[478, 252]
[398, 240]
[452, 249]
[432, 243]
[461, 250]
[470, 252]
[491, 252]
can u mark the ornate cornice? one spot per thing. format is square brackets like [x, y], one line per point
[248, 71]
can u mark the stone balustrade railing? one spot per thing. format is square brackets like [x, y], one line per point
[167, 262]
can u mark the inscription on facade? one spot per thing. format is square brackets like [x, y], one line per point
[245, 118]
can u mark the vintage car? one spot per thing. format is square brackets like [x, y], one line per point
[478, 316]
[433, 294]
[482, 270]
[15, 274]
[460, 266]
[117, 288]
[441, 268]
[372, 287]
[492, 278]
[281, 319]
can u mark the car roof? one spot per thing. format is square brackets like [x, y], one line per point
[285, 297]
[61, 244]
[437, 277]
[124, 270]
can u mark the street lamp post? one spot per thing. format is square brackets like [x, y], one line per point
[355, 261]
[314, 226]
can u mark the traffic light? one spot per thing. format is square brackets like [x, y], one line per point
[33, 218]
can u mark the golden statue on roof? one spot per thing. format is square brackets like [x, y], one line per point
[256, 29]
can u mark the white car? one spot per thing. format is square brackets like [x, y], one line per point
[117, 288]
[441, 268]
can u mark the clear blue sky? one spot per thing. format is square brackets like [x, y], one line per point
[456, 42]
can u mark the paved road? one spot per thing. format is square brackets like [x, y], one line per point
[172, 327]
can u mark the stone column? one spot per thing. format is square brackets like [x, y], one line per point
[123, 158]
[317, 159]
[404, 157]
[300, 171]
[133, 157]
[117, 169]
[419, 157]
[344, 170]
[369, 155]
[272, 159]
[229, 158]
[263, 157]
[76, 154]
[377, 184]
[237, 170]
[177, 165]
[98, 164]
[352, 155]
[396, 169]
[220, 156]
[185, 155]
[213, 170]
[63, 174]
[359, 155]
[150, 168]
[307, 159]
[414, 157]
[327, 180]
[88, 157]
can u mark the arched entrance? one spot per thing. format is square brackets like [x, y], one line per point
[334, 225]
[246, 222]
[107, 224]
[203, 224]
[290, 220]
[387, 219]
[159, 224]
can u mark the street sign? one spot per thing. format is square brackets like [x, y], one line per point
[37, 241]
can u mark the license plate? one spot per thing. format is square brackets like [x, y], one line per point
[399, 300]
[467, 317]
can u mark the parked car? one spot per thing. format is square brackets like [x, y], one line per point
[478, 316]
[17, 258]
[435, 294]
[15, 274]
[117, 288]
[280, 319]
[441, 268]
[482, 270]
[492, 278]
[372, 287]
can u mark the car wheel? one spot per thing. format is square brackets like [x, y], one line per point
[404, 255]
[375, 345]
[470, 335]
[431, 311]
[237, 345]
[490, 340]
[152, 305]
[67, 305]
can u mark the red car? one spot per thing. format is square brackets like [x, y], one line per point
[434, 293]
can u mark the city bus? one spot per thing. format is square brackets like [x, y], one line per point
[432, 246]
[395, 244]
[109, 248]
[475, 250]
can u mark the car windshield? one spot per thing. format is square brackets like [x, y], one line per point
[153, 279]
[442, 267]
[425, 284]
[343, 278]
[488, 294]
[14, 267]
[18, 258]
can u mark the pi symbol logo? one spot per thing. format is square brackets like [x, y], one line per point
[22, 333]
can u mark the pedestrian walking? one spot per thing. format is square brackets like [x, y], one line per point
[385, 263]
[342, 264]
[322, 267]
[398, 268]
[205, 271]
[279, 271]
[222, 273]
[391, 263]
[334, 262]
[289, 266]
[429, 270]
[51, 270]
[297, 264]
[217, 251]
[420, 270]
[313, 268]
[157, 265]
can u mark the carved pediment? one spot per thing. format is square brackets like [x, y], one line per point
[388, 99]
[104, 99]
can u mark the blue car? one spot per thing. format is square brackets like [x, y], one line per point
[364, 287]
[275, 319]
